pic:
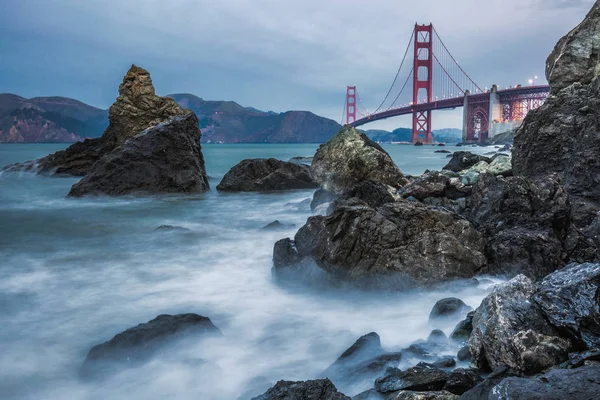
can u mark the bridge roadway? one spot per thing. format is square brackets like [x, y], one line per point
[505, 95]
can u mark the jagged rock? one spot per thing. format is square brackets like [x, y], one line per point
[349, 158]
[138, 344]
[261, 174]
[461, 379]
[570, 300]
[320, 197]
[435, 184]
[444, 362]
[464, 354]
[411, 395]
[165, 158]
[525, 221]
[462, 160]
[285, 253]
[320, 389]
[397, 245]
[500, 166]
[576, 56]
[470, 178]
[559, 384]
[419, 378]
[450, 307]
[509, 328]
[136, 109]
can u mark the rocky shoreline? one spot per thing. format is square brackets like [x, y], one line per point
[532, 218]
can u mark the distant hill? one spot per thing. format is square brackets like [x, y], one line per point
[448, 135]
[48, 119]
[229, 122]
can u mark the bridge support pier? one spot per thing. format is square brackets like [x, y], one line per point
[494, 115]
[465, 116]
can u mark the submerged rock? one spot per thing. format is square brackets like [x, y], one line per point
[136, 345]
[510, 329]
[349, 158]
[275, 225]
[261, 174]
[397, 245]
[165, 158]
[320, 389]
[137, 108]
[450, 307]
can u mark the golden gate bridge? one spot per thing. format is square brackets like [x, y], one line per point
[439, 83]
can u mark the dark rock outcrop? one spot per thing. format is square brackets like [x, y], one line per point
[165, 158]
[266, 174]
[375, 194]
[450, 307]
[138, 344]
[320, 389]
[275, 225]
[462, 160]
[559, 384]
[482, 390]
[349, 158]
[463, 329]
[461, 380]
[398, 245]
[525, 221]
[510, 329]
[137, 108]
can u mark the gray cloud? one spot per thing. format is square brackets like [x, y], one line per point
[269, 54]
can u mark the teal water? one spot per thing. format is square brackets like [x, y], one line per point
[75, 272]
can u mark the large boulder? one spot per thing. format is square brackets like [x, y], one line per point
[510, 329]
[266, 174]
[165, 158]
[526, 222]
[462, 160]
[320, 389]
[137, 108]
[397, 245]
[570, 300]
[576, 57]
[448, 308]
[559, 384]
[138, 344]
[349, 158]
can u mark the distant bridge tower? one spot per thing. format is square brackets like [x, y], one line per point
[422, 82]
[350, 104]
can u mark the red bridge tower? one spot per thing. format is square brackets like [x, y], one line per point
[350, 104]
[422, 82]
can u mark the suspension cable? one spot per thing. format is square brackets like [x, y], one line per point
[452, 57]
[403, 86]
[397, 72]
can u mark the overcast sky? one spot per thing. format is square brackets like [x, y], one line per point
[270, 54]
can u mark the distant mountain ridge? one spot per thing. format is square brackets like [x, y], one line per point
[48, 119]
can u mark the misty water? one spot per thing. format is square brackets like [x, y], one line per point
[75, 272]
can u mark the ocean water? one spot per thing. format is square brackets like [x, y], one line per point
[75, 272]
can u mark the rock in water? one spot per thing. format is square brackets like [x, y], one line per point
[261, 174]
[136, 109]
[510, 329]
[320, 389]
[450, 307]
[395, 246]
[349, 158]
[138, 344]
[165, 158]
[419, 378]
[576, 57]
[559, 384]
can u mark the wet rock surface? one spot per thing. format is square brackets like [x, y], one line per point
[418, 378]
[510, 329]
[257, 175]
[320, 389]
[387, 247]
[450, 307]
[462, 160]
[165, 158]
[136, 345]
[349, 158]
